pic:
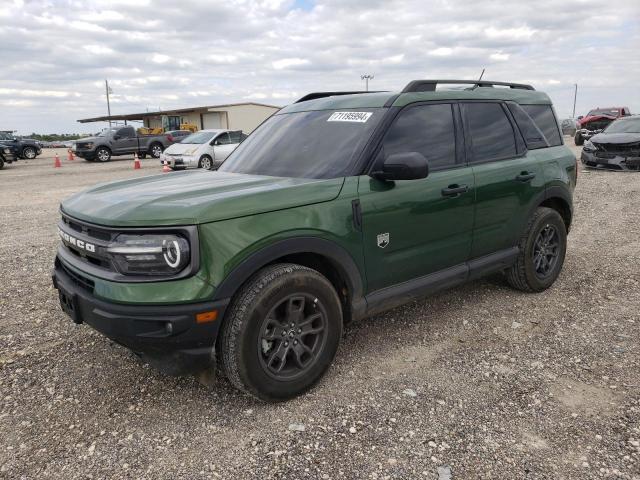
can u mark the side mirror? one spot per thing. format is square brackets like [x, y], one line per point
[116, 137]
[403, 166]
[580, 117]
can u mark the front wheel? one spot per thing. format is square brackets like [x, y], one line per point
[542, 250]
[103, 154]
[1, 163]
[205, 162]
[281, 333]
[29, 153]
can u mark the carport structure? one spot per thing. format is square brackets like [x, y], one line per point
[234, 116]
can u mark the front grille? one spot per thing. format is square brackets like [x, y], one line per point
[618, 149]
[81, 235]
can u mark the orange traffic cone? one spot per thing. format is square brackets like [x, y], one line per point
[136, 162]
[70, 156]
[165, 167]
[56, 163]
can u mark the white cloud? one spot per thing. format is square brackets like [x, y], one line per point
[98, 49]
[176, 54]
[499, 57]
[160, 58]
[289, 62]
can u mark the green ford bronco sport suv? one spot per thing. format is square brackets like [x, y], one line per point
[339, 206]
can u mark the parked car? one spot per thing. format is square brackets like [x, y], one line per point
[617, 147]
[569, 126]
[121, 141]
[22, 147]
[596, 120]
[6, 155]
[335, 208]
[204, 149]
[179, 135]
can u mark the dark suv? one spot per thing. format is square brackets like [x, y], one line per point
[335, 208]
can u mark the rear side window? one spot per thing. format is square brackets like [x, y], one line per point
[533, 136]
[546, 121]
[426, 129]
[492, 136]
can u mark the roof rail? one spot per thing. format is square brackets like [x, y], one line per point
[314, 95]
[430, 85]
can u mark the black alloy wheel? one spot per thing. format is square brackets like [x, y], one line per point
[292, 334]
[546, 250]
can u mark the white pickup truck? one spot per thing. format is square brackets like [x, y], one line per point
[204, 149]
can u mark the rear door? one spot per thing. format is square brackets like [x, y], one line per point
[508, 179]
[412, 228]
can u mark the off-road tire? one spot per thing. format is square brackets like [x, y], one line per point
[203, 161]
[237, 345]
[106, 155]
[522, 275]
[29, 153]
[578, 139]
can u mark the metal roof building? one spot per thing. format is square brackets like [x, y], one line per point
[234, 116]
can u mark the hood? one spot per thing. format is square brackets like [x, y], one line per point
[585, 120]
[616, 138]
[193, 197]
[181, 148]
[86, 139]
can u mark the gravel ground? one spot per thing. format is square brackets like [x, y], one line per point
[477, 382]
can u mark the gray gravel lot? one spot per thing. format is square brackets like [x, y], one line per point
[481, 381]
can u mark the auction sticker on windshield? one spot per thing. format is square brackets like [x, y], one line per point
[359, 117]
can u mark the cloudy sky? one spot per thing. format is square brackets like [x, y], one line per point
[170, 54]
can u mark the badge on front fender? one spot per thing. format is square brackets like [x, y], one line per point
[383, 240]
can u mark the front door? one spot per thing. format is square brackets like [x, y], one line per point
[412, 228]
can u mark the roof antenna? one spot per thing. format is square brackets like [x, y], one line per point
[481, 75]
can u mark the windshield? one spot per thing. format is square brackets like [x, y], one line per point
[614, 112]
[316, 144]
[199, 137]
[626, 125]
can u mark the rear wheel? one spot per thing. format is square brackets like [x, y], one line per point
[578, 139]
[281, 333]
[103, 154]
[155, 149]
[542, 250]
[1, 163]
[205, 162]
[29, 152]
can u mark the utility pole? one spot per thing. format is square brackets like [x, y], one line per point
[366, 78]
[575, 95]
[108, 90]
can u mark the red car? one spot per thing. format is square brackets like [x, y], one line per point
[596, 120]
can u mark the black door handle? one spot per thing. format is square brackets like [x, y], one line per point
[525, 177]
[454, 190]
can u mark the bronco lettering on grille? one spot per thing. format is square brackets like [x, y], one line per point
[81, 244]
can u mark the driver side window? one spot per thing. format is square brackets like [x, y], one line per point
[222, 139]
[426, 129]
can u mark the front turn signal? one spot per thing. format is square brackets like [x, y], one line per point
[207, 317]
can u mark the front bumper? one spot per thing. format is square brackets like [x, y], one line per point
[605, 160]
[167, 336]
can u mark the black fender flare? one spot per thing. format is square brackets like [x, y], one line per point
[554, 191]
[340, 259]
